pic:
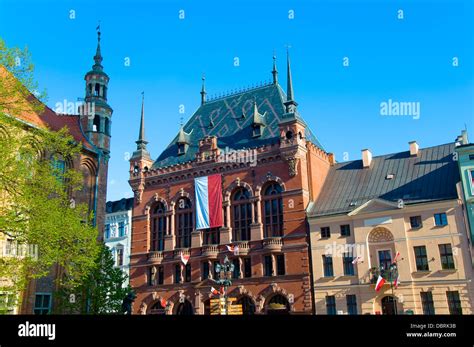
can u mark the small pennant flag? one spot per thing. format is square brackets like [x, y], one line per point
[214, 291]
[184, 258]
[380, 283]
[357, 260]
[163, 303]
[396, 257]
[233, 249]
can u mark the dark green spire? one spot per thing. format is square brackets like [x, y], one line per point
[142, 142]
[290, 99]
[203, 90]
[275, 71]
[98, 56]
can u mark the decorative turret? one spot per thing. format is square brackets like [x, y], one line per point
[183, 141]
[97, 122]
[258, 121]
[140, 162]
[141, 152]
[275, 71]
[203, 90]
[290, 103]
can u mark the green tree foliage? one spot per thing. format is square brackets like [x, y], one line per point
[19, 84]
[37, 216]
[102, 291]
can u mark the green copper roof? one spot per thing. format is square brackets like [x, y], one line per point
[230, 119]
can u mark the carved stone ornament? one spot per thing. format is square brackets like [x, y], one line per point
[292, 166]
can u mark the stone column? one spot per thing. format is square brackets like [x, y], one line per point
[259, 209]
[241, 268]
[226, 231]
[274, 269]
[211, 269]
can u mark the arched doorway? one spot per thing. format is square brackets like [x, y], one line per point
[207, 307]
[185, 309]
[389, 305]
[248, 306]
[278, 304]
[158, 309]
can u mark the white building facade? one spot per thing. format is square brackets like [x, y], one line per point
[117, 232]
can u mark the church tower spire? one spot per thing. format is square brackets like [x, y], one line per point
[98, 120]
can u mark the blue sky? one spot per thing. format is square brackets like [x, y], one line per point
[402, 60]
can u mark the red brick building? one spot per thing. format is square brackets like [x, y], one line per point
[271, 165]
[92, 128]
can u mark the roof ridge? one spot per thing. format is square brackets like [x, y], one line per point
[242, 90]
[393, 153]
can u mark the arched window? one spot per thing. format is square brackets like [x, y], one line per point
[184, 223]
[59, 166]
[96, 89]
[248, 307]
[278, 304]
[158, 227]
[107, 126]
[273, 210]
[242, 214]
[96, 125]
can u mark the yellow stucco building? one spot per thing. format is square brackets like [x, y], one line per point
[398, 220]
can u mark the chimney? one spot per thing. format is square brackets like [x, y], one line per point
[366, 157]
[413, 148]
[331, 158]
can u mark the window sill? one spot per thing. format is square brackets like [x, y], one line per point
[421, 272]
[448, 270]
[348, 277]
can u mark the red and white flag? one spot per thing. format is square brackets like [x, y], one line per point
[163, 303]
[214, 291]
[184, 258]
[233, 249]
[397, 282]
[208, 192]
[380, 283]
[357, 260]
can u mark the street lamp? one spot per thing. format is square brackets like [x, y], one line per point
[225, 271]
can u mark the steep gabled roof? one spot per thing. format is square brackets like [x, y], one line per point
[47, 119]
[430, 176]
[230, 119]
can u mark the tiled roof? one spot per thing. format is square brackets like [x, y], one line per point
[430, 176]
[48, 119]
[119, 205]
[230, 128]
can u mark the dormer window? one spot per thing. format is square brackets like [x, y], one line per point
[257, 130]
[181, 148]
